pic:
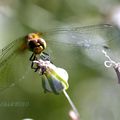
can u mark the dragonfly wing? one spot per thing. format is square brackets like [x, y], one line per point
[85, 37]
[10, 49]
[90, 39]
[14, 62]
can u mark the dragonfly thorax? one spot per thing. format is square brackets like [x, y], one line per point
[35, 43]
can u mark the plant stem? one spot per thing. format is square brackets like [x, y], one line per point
[71, 104]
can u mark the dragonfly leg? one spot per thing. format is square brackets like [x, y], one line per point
[43, 69]
[33, 57]
[36, 68]
[45, 56]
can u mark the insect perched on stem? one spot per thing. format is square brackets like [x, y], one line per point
[16, 51]
[93, 38]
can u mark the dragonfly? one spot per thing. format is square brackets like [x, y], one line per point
[16, 57]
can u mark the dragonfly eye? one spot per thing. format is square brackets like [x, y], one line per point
[36, 46]
[35, 43]
[31, 45]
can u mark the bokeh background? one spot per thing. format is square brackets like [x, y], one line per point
[94, 89]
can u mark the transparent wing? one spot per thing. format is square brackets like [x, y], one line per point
[90, 39]
[86, 37]
[10, 49]
[14, 62]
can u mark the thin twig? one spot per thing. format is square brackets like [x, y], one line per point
[74, 114]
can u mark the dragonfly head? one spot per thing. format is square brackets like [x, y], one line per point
[35, 43]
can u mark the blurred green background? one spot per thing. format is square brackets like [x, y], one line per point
[93, 89]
